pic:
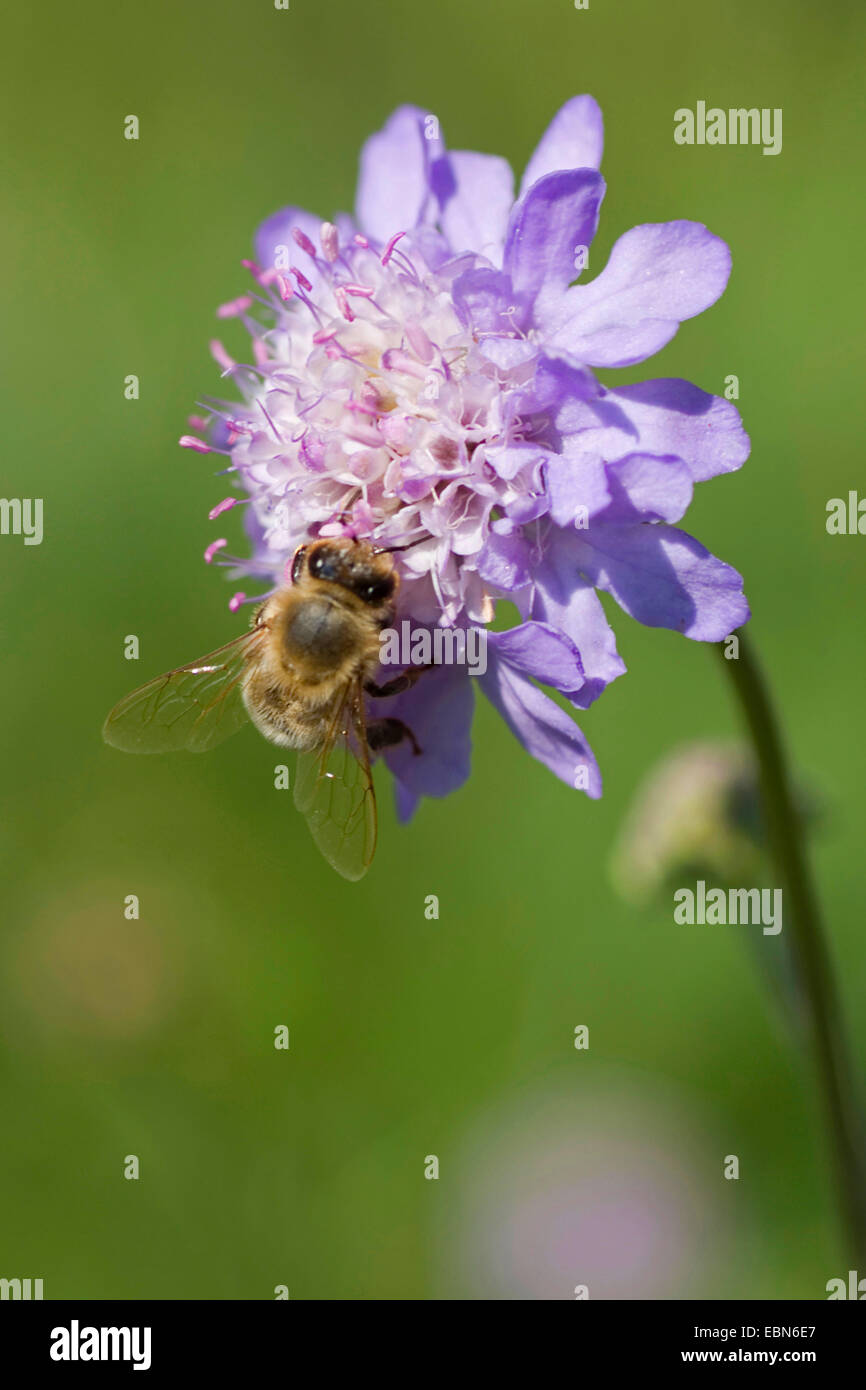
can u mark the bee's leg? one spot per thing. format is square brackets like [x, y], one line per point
[387, 733]
[398, 684]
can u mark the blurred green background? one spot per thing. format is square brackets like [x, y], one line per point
[408, 1037]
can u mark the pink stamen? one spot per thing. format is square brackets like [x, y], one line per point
[389, 249]
[213, 548]
[360, 240]
[285, 287]
[395, 360]
[252, 267]
[225, 506]
[362, 291]
[372, 395]
[190, 441]
[260, 352]
[198, 422]
[301, 239]
[301, 278]
[343, 304]
[330, 241]
[221, 356]
[324, 335]
[269, 276]
[236, 600]
[235, 307]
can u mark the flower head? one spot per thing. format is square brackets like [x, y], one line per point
[421, 375]
[698, 814]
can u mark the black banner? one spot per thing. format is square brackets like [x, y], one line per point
[218, 1338]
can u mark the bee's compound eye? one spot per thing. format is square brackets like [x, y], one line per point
[378, 590]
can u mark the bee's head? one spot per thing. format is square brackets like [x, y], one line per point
[367, 573]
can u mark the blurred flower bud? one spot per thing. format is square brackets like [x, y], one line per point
[697, 815]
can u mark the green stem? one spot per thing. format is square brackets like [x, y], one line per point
[807, 943]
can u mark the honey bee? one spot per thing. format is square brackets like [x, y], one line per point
[301, 674]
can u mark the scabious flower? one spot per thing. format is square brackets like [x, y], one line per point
[589, 1185]
[422, 375]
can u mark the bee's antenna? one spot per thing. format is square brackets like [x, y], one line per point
[394, 549]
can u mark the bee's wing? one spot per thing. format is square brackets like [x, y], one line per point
[194, 707]
[334, 790]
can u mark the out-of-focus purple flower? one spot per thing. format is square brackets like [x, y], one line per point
[422, 375]
[584, 1188]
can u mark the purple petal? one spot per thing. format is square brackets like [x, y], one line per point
[566, 600]
[545, 730]
[658, 275]
[405, 802]
[563, 390]
[528, 507]
[438, 710]
[505, 562]
[573, 140]
[428, 243]
[508, 353]
[394, 185]
[663, 577]
[557, 215]
[540, 651]
[670, 416]
[475, 216]
[577, 486]
[647, 487]
[482, 299]
[510, 459]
